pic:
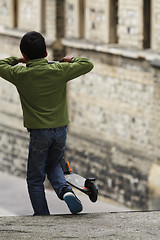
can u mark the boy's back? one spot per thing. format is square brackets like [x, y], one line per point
[42, 88]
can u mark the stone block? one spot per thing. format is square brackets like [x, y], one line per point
[6, 13]
[30, 15]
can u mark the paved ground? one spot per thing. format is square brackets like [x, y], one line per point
[103, 226]
[101, 220]
[14, 200]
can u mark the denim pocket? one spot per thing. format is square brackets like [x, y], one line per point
[39, 145]
[39, 141]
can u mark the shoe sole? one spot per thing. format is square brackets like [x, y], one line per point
[73, 203]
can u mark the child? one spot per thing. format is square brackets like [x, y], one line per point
[42, 90]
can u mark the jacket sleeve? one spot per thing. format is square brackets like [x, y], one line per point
[7, 68]
[77, 67]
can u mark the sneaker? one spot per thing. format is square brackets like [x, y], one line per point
[74, 204]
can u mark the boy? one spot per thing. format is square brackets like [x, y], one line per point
[42, 90]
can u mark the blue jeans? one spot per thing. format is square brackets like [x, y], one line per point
[46, 149]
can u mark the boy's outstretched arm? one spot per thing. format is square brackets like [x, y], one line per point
[75, 67]
[6, 68]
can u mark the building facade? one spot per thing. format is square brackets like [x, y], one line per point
[114, 133]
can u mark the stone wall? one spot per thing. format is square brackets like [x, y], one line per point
[97, 21]
[6, 13]
[93, 22]
[114, 134]
[130, 27]
[13, 149]
[112, 119]
[27, 11]
[72, 19]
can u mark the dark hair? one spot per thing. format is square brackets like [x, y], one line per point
[33, 45]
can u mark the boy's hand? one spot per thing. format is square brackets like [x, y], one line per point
[22, 60]
[66, 59]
